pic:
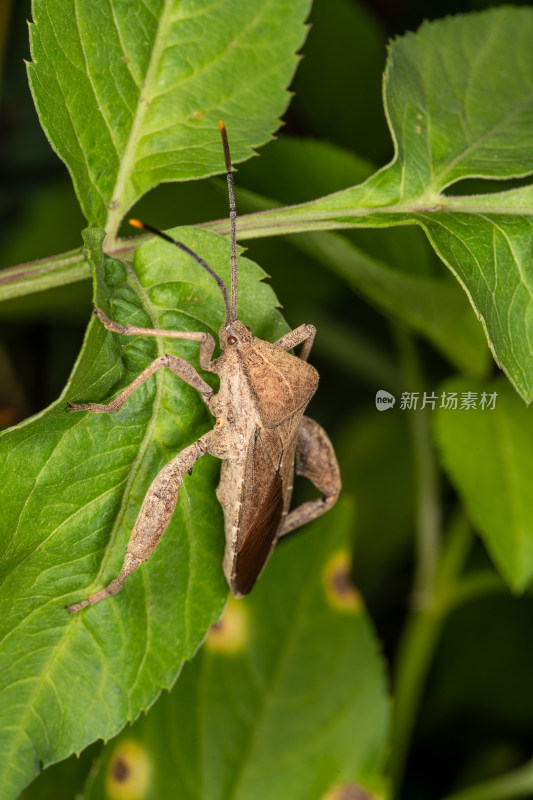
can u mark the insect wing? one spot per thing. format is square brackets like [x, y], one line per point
[281, 382]
[259, 538]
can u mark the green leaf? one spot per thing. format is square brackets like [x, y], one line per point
[72, 485]
[285, 700]
[395, 271]
[458, 98]
[129, 100]
[487, 454]
[491, 257]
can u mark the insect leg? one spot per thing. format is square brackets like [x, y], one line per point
[315, 460]
[156, 512]
[207, 343]
[305, 334]
[177, 365]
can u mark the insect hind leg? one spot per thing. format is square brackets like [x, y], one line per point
[315, 460]
[154, 517]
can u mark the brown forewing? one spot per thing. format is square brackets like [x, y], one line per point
[257, 543]
[281, 383]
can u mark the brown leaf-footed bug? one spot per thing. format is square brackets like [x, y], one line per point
[260, 434]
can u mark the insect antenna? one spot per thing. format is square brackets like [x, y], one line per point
[233, 220]
[136, 223]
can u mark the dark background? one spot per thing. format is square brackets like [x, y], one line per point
[477, 715]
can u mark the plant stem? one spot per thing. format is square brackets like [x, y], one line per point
[426, 476]
[518, 783]
[437, 585]
[420, 639]
[344, 210]
[423, 626]
[49, 273]
[437, 588]
[414, 657]
[46, 273]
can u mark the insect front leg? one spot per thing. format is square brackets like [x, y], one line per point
[207, 343]
[305, 334]
[158, 507]
[177, 365]
[315, 460]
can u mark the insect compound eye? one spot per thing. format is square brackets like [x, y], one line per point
[232, 339]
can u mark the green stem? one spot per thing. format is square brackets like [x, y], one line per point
[518, 783]
[70, 267]
[414, 657]
[471, 587]
[47, 273]
[420, 639]
[437, 587]
[458, 544]
[423, 627]
[343, 210]
[428, 511]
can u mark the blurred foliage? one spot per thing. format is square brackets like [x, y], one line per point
[475, 719]
[263, 692]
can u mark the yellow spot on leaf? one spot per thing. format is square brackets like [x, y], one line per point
[348, 791]
[338, 586]
[230, 633]
[128, 772]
